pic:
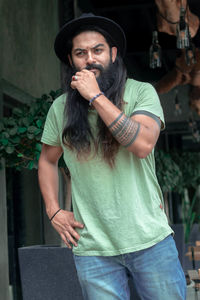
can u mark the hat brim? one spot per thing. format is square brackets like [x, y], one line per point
[67, 31]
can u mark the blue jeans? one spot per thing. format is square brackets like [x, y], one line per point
[156, 274]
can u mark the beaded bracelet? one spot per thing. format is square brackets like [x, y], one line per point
[54, 214]
[90, 102]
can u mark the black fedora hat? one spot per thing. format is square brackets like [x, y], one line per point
[68, 30]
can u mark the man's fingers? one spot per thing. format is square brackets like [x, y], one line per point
[66, 241]
[65, 224]
[77, 224]
[73, 233]
[73, 85]
[70, 239]
[72, 222]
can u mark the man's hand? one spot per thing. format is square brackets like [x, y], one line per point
[85, 82]
[65, 225]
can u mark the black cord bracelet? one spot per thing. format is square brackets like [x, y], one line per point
[55, 214]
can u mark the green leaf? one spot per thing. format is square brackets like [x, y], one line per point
[5, 135]
[30, 136]
[22, 129]
[30, 165]
[44, 97]
[10, 149]
[4, 142]
[52, 94]
[38, 146]
[38, 156]
[38, 138]
[11, 122]
[26, 121]
[32, 129]
[39, 123]
[17, 111]
[31, 118]
[38, 131]
[20, 155]
[13, 131]
[16, 140]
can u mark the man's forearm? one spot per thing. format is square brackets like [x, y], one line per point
[138, 134]
[48, 180]
[124, 130]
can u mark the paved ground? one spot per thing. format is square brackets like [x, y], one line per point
[191, 294]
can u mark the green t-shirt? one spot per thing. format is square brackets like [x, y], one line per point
[121, 207]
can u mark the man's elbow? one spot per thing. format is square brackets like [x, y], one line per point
[45, 161]
[141, 151]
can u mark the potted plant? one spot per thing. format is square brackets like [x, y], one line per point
[21, 132]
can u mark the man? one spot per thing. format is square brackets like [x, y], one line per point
[106, 127]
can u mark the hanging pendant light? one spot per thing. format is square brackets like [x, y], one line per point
[182, 31]
[155, 52]
[190, 53]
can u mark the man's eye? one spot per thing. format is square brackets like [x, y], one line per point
[98, 50]
[80, 53]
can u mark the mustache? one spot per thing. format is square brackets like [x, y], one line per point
[94, 66]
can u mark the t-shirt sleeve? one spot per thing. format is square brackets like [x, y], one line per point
[51, 135]
[148, 103]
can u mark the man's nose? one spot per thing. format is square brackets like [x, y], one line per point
[90, 58]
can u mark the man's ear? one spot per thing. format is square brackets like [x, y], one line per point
[69, 58]
[114, 53]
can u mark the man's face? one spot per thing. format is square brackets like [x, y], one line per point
[91, 51]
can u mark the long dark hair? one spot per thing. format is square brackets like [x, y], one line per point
[77, 133]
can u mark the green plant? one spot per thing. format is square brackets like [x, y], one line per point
[20, 133]
[189, 163]
[180, 172]
[168, 171]
[177, 171]
[189, 214]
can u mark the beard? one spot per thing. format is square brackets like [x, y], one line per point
[77, 134]
[76, 104]
[105, 79]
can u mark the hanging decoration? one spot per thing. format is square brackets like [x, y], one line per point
[175, 18]
[183, 74]
[182, 31]
[168, 16]
[190, 53]
[155, 52]
[181, 23]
